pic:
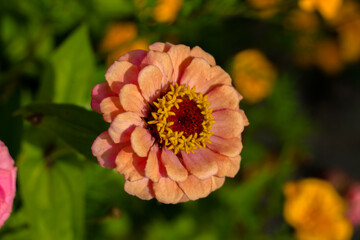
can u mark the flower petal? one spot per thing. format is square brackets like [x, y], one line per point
[174, 168]
[105, 150]
[195, 188]
[178, 54]
[163, 62]
[218, 101]
[135, 57]
[229, 123]
[99, 92]
[150, 79]
[235, 166]
[184, 198]
[246, 121]
[197, 75]
[201, 163]
[110, 107]
[167, 191]
[224, 165]
[123, 125]
[199, 53]
[141, 141]
[227, 146]
[121, 73]
[129, 164]
[217, 182]
[160, 46]
[132, 100]
[140, 188]
[153, 168]
[218, 77]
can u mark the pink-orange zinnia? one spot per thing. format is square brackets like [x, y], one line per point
[175, 123]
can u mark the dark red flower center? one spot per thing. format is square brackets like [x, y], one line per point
[187, 119]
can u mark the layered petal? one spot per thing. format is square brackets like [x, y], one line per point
[154, 169]
[218, 77]
[231, 101]
[150, 80]
[110, 107]
[123, 125]
[201, 163]
[195, 188]
[163, 62]
[105, 150]
[160, 46]
[141, 188]
[216, 182]
[178, 54]
[174, 168]
[135, 57]
[99, 92]
[129, 164]
[120, 74]
[197, 75]
[227, 146]
[132, 100]
[246, 121]
[229, 124]
[235, 166]
[141, 141]
[167, 191]
[223, 163]
[199, 53]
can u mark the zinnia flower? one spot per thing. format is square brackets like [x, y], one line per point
[316, 211]
[175, 123]
[7, 183]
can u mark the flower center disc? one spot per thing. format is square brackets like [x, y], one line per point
[187, 118]
[182, 118]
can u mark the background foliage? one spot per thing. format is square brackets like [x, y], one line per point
[54, 52]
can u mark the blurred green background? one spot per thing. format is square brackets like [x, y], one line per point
[301, 97]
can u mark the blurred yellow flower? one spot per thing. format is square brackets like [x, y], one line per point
[327, 56]
[253, 75]
[167, 10]
[118, 33]
[327, 8]
[266, 8]
[316, 211]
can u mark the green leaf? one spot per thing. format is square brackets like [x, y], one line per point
[74, 70]
[52, 190]
[76, 126]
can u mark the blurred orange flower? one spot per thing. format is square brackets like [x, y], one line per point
[118, 33]
[167, 10]
[164, 11]
[327, 8]
[120, 38]
[316, 210]
[327, 56]
[266, 8]
[253, 75]
[302, 21]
